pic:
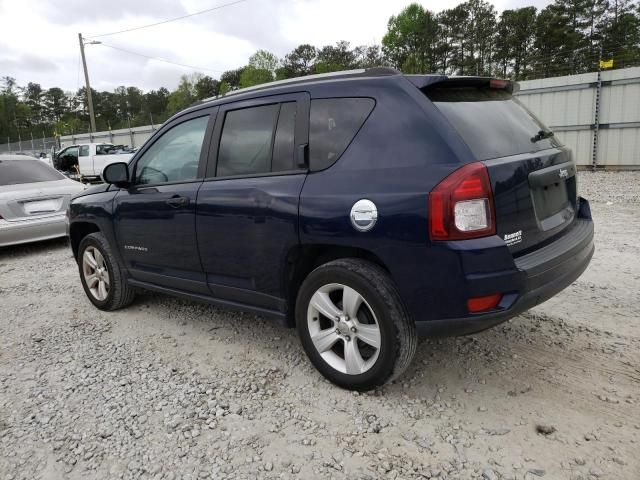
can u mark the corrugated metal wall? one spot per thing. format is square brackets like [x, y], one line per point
[568, 106]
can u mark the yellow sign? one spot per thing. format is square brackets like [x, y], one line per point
[604, 64]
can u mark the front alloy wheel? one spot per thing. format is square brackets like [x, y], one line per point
[103, 279]
[96, 273]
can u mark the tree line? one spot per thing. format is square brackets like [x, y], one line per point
[567, 37]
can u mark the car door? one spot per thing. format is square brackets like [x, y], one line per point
[247, 215]
[67, 158]
[155, 216]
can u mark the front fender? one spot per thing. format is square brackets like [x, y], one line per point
[93, 212]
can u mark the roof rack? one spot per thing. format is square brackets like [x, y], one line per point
[368, 72]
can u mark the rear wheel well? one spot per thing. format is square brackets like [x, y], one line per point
[302, 260]
[79, 230]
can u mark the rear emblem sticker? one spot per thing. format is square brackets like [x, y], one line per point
[513, 238]
[563, 173]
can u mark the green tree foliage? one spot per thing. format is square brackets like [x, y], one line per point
[411, 40]
[298, 62]
[514, 41]
[206, 87]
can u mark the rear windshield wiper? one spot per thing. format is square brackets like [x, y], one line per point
[541, 135]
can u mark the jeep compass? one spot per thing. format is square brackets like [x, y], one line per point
[364, 208]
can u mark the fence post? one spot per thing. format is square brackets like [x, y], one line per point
[33, 148]
[44, 142]
[596, 116]
[131, 133]
[19, 142]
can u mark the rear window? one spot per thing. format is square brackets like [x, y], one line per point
[333, 124]
[13, 172]
[490, 121]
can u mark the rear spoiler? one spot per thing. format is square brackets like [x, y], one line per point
[424, 81]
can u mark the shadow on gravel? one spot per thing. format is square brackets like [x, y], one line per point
[35, 248]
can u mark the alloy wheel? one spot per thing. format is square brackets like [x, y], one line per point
[343, 329]
[96, 273]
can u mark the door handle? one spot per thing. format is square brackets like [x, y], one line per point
[177, 202]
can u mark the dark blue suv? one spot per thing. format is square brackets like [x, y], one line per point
[363, 208]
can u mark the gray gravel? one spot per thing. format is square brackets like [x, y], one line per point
[167, 389]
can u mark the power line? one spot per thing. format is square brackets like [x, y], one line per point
[217, 7]
[160, 59]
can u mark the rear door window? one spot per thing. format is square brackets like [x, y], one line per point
[258, 140]
[334, 122]
[245, 145]
[14, 172]
[283, 144]
[490, 121]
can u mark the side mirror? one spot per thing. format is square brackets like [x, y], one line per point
[116, 174]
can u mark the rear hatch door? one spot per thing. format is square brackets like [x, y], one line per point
[533, 176]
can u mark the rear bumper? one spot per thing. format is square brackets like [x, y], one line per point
[32, 230]
[538, 276]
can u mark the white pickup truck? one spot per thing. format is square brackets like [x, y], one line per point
[90, 158]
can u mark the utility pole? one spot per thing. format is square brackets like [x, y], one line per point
[92, 118]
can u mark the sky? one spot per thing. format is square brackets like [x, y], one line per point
[39, 38]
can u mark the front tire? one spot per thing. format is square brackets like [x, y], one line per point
[102, 278]
[353, 326]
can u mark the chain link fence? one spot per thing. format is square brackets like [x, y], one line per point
[31, 146]
[133, 137]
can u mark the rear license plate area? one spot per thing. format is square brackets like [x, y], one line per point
[553, 194]
[36, 207]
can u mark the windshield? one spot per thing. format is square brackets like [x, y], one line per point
[13, 172]
[491, 121]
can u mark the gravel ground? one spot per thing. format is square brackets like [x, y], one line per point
[168, 389]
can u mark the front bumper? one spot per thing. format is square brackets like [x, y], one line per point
[539, 276]
[32, 230]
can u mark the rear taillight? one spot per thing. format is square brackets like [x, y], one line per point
[461, 206]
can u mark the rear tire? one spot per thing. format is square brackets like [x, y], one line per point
[102, 278]
[353, 326]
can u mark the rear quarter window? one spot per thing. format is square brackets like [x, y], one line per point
[490, 121]
[333, 123]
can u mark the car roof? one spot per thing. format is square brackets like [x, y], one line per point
[12, 156]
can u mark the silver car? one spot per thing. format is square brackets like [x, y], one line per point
[33, 200]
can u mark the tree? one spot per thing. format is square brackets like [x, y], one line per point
[255, 76]
[206, 87]
[32, 95]
[263, 60]
[232, 78]
[298, 62]
[224, 89]
[183, 96]
[55, 102]
[411, 40]
[479, 31]
[514, 41]
[334, 58]
[621, 35]
[368, 56]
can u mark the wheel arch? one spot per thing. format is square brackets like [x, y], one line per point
[79, 230]
[303, 259]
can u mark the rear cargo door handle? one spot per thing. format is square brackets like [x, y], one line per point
[177, 202]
